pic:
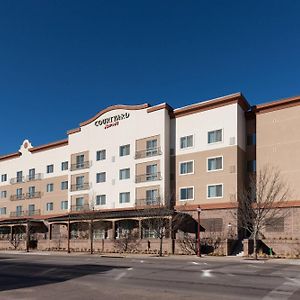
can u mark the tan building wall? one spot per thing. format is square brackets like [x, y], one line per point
[56, 196]
[201, 178]
[278, 144]
[140, 144]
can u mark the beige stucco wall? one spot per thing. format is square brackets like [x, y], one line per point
[278, 144]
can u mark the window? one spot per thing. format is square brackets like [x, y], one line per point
[100, 199]
[79, 203]
[79, 182]
[152, 197]
[19, 176]
[64, 205]
[187, 193]
[3, 211]
[186, 167]
[214, 136]
[215, 163]
[49, 206]
[124, 150]
[31, 174]
[215, 191]
[3, 177]
[80, 161]
[19, 193]
[101, 177]
[124, 174]
[151, 147]
[64, 185]
[151, 172]
[50, 187]
[31, 191]
[124, 197]
[101, 155]
[186, 141]
[31, 209]
[3, 194]
[19, 210]
[50, 169]
[64, 165]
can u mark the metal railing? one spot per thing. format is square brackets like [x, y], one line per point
[84, 207]
[148, 202]
[18, 179]
[33, 195]
[80, 187]
[37, 176]
[147, 153]
[26, 196]
[148, 177]
[17, 197]
[25, 213]
[80, 166]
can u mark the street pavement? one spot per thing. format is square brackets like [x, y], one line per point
[37, 276]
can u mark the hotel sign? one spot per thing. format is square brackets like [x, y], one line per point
[112, 121]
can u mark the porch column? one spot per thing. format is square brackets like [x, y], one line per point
[50, 232]
[27, 236]
[11, 232]
[140, 229]
[112, 231]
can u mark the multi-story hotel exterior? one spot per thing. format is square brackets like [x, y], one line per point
[127, 159]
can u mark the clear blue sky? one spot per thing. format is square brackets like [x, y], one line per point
[63, 61]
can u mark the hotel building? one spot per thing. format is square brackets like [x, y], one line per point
[127, 162]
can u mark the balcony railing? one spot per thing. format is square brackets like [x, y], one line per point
[147, 153]
[147, 177]
[25, 213]
[18, 197]
[18, 179]
[80, 187]
[80, 166]
[148, 202]
[37, 176]
[84, 207]
[33, 195]
[26, 196]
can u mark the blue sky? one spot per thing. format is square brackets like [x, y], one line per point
[63, 61]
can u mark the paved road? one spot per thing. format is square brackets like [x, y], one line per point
[93, 277]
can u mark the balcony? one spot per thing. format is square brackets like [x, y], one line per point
[25, 213]
[84, 207]
[18, 197]
[147, 153]
[148, 177]
[148, 202]
[37, 176]
[19, 179]
[26, 196]
[80, 187]
[33, 195]
[80, 166]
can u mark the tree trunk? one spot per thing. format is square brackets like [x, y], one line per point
[255, 244]
[161, 246]
[92, 236]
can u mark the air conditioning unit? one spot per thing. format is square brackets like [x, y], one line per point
[232, 140]
[113, 159]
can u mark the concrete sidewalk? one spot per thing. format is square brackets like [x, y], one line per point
[166, 257]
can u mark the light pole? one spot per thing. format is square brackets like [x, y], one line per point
[198, 241]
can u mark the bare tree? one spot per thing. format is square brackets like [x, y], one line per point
[17, 236]
[128, 236]
[262, 202]
[156, 222]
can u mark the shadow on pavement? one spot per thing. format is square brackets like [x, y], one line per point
[16, 275]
